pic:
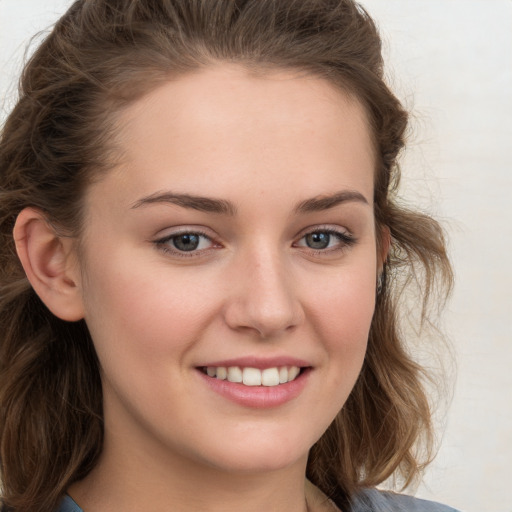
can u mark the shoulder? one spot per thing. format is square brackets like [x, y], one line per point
[68, 505]
[369, 500]
[373, 500]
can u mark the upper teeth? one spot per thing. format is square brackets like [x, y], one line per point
[255, 376]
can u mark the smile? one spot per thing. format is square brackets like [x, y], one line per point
[254, 376]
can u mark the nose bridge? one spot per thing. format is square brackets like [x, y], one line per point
[265, 299]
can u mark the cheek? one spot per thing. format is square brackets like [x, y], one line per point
[346, 303]
[344, 311]
[341, 314]
[135, 312]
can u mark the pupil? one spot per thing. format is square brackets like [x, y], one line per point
[186, 242]
[318, 240]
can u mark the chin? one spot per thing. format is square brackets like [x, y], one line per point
[262, 463]
[261, 454]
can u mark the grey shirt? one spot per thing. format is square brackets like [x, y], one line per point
[370, 500]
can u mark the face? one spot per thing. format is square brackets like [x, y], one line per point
[229, 268]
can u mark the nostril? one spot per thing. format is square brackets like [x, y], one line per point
[263, 299]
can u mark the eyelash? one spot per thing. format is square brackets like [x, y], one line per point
[345, 239]
[163, 243]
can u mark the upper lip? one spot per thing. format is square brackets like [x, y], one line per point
[258, 362]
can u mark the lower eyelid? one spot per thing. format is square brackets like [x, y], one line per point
[165, 243]
[343, 237]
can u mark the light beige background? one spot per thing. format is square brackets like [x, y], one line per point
[451, 62]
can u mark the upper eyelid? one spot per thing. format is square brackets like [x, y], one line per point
[170, 236]
[170, 232]
[345, 238]
[163, 239]
[197, 230]
[330, 228]
[163, 244]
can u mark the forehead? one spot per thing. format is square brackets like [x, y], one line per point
[226, 122]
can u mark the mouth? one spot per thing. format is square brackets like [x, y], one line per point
[248, 376]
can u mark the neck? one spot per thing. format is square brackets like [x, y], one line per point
[134, 480]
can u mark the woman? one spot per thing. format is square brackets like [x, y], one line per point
[201, 263]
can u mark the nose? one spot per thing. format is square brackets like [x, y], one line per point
[263, 297]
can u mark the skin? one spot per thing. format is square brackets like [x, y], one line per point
[265, 144]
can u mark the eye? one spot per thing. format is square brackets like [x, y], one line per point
[318, 240]
[326, 240]
[189, 241]
[185, 242]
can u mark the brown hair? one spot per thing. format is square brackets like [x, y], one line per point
[101, 56]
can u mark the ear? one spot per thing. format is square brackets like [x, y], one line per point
[383, 247]
[49, 262]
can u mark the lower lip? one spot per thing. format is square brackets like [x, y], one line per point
[258, 397]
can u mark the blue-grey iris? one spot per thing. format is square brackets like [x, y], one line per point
[186, 242]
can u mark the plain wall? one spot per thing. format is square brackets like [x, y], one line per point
[450, 61]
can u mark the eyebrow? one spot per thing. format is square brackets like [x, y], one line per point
[221, 206]
[326, 202]
[203, 204]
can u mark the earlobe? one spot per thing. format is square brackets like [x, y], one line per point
[47, 259]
